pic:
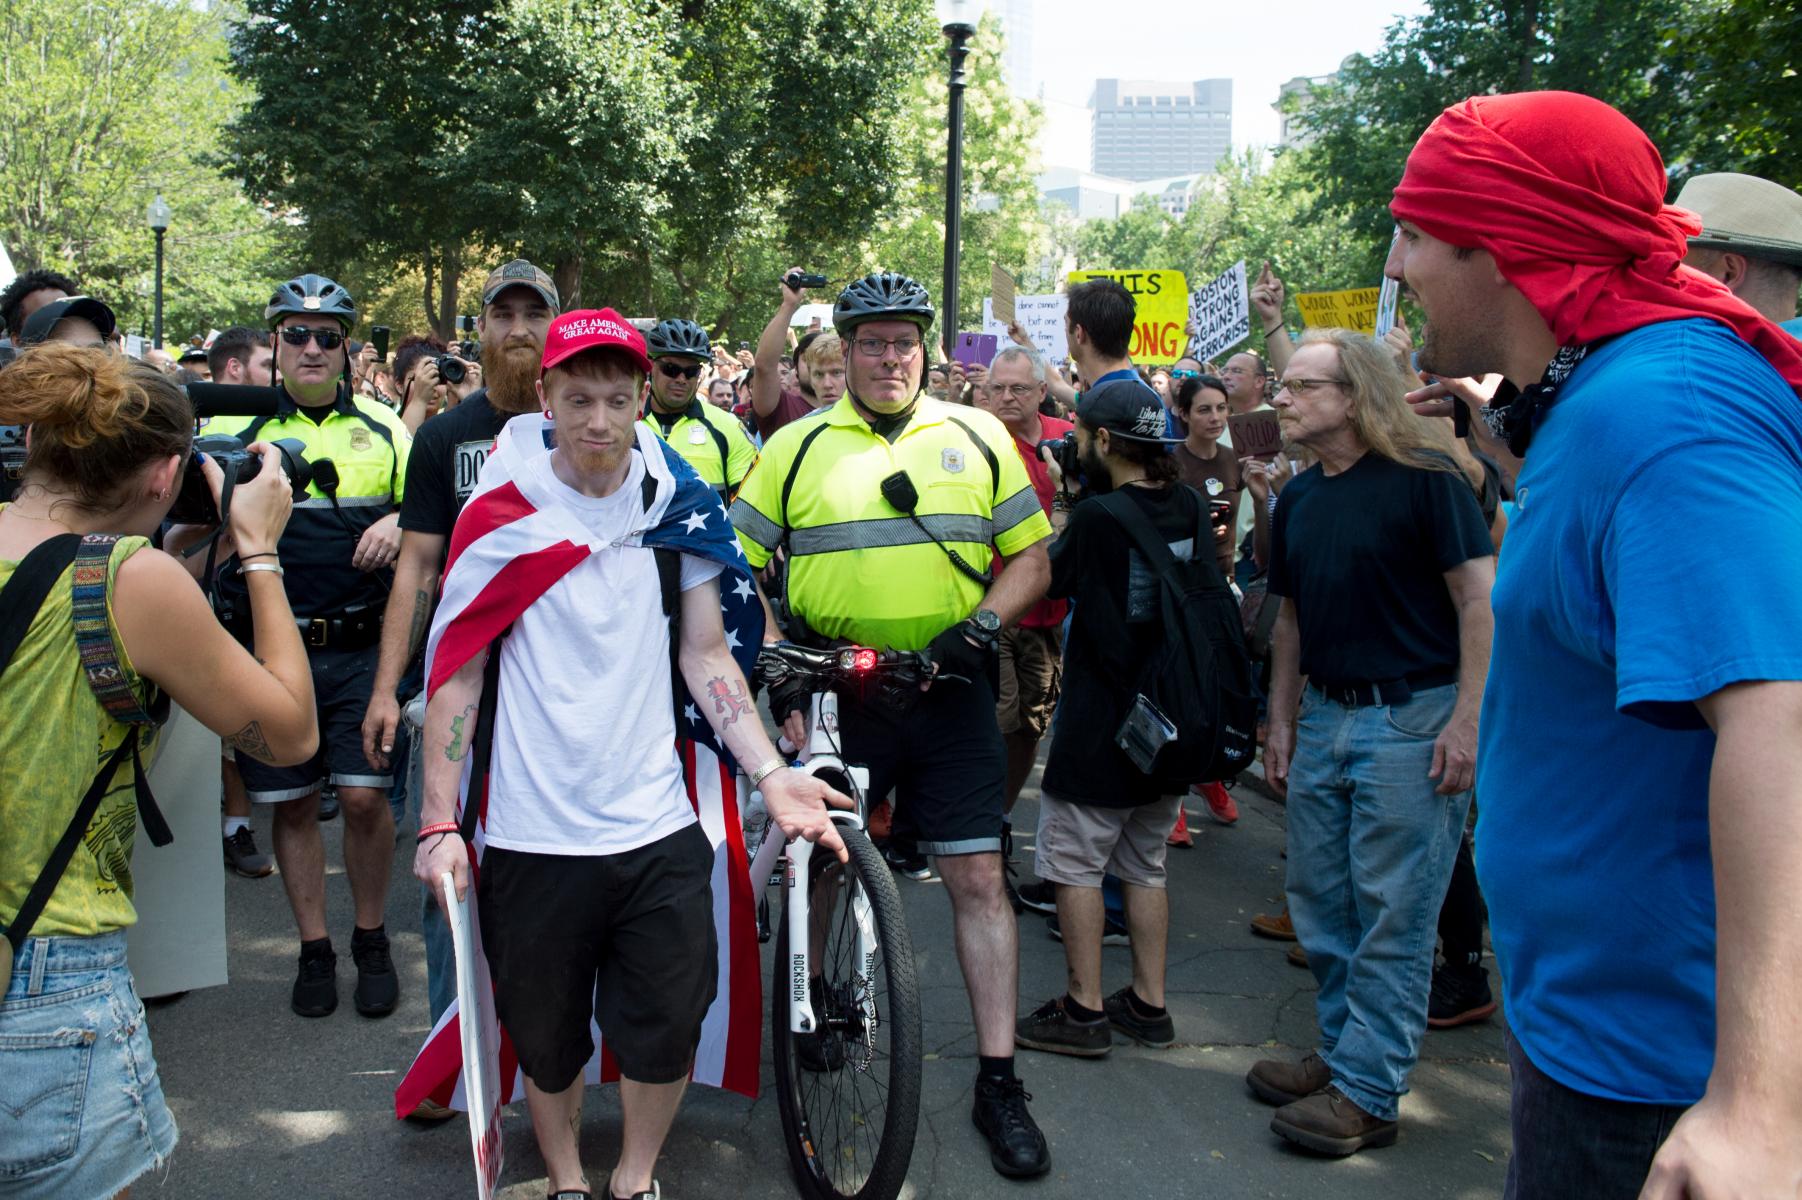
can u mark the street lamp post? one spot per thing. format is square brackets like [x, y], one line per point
[958, 17]
[157, 217]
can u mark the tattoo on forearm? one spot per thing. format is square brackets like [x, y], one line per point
[459, 739]
[422, 611]
[251, 741]
[729, 700]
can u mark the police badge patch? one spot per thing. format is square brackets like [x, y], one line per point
[359, 439]
[952, 459]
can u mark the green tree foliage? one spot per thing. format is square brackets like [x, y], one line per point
[108, 103]
[1713, 83]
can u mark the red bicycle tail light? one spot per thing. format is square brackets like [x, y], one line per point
[866, 660]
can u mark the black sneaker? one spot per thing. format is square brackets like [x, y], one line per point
[316, 989]
[378, 987]
[242, 856]
[1051, 1028]
[1460, 996]
[1016, 1146]
[1156, 1032]
[1040, 896]
[1112, 932]
[914, 866]
[823, 1050]
[328, 804]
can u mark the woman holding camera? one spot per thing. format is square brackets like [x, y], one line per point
[109, 443]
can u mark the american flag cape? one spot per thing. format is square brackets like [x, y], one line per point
[511, 543]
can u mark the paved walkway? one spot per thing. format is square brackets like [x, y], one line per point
[273, 1105]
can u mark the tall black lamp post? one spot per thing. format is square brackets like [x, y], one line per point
[959, 19]
[157, 217]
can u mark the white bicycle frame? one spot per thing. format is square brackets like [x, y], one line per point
[819, 756]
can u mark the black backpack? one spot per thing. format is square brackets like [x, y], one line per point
[1199, 676]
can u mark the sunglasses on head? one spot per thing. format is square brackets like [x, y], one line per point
[678, 371]
[298, 336]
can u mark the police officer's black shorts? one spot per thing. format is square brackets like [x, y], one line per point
[342, 682]
[626, 939]
[943, 758]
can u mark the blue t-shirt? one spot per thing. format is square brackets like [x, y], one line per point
[1654, 557]
[1793, 328]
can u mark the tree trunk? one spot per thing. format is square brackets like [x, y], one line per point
[566, 273]
[450, 281]
[428, 303]
[1526, 31]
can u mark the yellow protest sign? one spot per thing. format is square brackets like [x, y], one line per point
[1161, 309]
[1354, 308]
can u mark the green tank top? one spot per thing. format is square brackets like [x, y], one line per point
[56, 739]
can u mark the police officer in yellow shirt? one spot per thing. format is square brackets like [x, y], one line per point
[892, 506]
[337, 555]
[711, 439]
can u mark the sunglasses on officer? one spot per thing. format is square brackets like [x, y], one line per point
[299, 335]
[673, 370]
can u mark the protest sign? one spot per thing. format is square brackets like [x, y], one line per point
[1161, 304]
[1220, 313]
[135, 346]
[1042, 317]
[1255, 434]
[1001, 292]
[1354, 308]
[481, 1036]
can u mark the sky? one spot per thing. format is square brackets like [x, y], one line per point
[1258, 46]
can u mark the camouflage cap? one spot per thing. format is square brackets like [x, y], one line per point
[520, 273]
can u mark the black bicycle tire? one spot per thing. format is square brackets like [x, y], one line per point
[902, 1117]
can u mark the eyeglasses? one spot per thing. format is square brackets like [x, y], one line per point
[1185, 373]
[873, 347]
[1301, 387]
[298, 336]
[1018, 391]
[677, 371]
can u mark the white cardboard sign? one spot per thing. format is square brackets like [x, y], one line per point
[1042, 317]
[1220, 310]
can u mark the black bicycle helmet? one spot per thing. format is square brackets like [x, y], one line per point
[309, 294]
[676, 336]
[880, 295]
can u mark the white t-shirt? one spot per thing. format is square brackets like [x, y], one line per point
[585, 738]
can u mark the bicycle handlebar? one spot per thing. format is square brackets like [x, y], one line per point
[779, 660]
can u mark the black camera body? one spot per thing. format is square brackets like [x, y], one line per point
[194, 503]
[800, 279]
[451, 369]
[1065, 454]
[12, 460]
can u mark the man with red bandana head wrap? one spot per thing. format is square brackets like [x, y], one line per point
[1640, 773]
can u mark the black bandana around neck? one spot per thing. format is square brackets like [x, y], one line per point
[1515, 419]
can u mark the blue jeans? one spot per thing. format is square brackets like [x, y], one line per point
[81, 1108]
[1371, 847]
[1571, 1146]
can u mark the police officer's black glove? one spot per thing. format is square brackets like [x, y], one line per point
[789, 692]
[964, 651]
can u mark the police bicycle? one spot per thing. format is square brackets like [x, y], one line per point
[845, 1004]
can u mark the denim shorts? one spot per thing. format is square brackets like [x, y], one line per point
[81, 1107]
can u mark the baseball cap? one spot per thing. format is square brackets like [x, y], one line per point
[592, 329]
[519, 273]
[1127, 408]
[43, 322]
[192, 353]
[1747, 215]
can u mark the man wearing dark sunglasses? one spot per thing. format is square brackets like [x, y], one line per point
[340, 545]
[710, 438]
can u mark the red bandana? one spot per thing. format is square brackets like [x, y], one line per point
[1567, 195]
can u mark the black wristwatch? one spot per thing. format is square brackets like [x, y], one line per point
[985, 625]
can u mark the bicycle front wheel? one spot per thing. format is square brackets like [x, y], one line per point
[850, 1093]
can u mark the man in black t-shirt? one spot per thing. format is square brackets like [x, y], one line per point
[519, 302]
[1384, 566]
[1097, 812]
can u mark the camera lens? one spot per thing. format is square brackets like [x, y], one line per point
[452, 370]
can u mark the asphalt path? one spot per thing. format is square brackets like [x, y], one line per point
[270, 1104]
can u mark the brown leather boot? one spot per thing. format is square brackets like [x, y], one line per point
[1278, 927]
[1276, 1082]
[1328, 1123]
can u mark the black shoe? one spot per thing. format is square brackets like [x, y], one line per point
[242, 856]
[1112, 932]
[1051, 1028]
[1016, 1146]
[1460, 996]
[316, 989]
[1040, 896]
[823, 1050]
[1156, 1032]
[378, 987]
[328, 804]
[913, 866]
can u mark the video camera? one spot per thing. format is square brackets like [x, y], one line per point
[1065, 454]
[194, 502]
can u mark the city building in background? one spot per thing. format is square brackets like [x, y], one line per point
[1146, 129]
[1293, 100]
[1090, 196]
